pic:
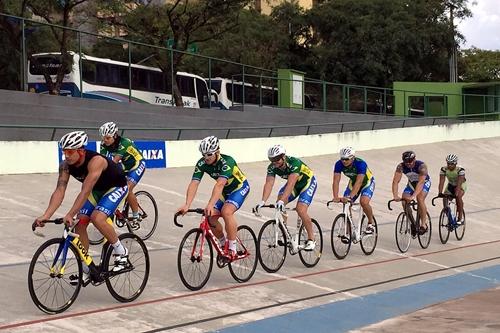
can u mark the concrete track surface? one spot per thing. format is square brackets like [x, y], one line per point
[384, 292]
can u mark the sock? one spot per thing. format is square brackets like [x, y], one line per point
[232, 245]
[135, 215]
[222, 241]
[118, 247]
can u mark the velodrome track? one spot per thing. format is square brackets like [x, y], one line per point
[351, 294]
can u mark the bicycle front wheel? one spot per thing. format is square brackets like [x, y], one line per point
[425, 239]
[242, 270]
[54, 285]
[340, 236]
[311, 257]
[368, 241]
[272, 244]
[460, 229]
[148, 213]
[444, 226]
[195, 259]
[128, 284]
[403, 232]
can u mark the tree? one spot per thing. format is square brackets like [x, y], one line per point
[480, 65]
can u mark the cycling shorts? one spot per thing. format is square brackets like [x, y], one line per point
[409, 189]
[105, 202]
[366, 191]
[236, 198]
[135, 174]
[306, 194]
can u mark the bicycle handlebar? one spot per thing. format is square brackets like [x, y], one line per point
[200, 211]
[270, 206]
[413, 203]
[55, 221]
[443, 196]
[340, 202]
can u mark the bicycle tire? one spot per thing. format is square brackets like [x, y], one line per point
[368, 243]
[148, 208]
[311, 258]
[39, 277]
[242, 270]
[189, 249]
[425, 239]
[403, 232]
[271, 255]
[340, 236]
[129, 284]
[444, 226]
[460, 230]
[95, 236]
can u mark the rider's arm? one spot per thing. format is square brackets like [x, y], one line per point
[191, 191]
[441, 183]
[268, 187]
[395, 181]
[357, 185]
[292, 179]
[460, 180]
[95, 167]
[217, 191]
[58, 195]
[421, 180]
[117, 158]
[335, 185]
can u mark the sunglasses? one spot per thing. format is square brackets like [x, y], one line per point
[208, 154]
[345, 159]
[275, 159]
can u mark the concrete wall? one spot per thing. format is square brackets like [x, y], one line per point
[33, 157]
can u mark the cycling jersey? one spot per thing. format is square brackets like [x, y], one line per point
[293, 165]
[224, 167]
[130, 155]
[357, 167]
[452, 175]
[414, 173]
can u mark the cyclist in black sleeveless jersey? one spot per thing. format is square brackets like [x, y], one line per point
[103, 187]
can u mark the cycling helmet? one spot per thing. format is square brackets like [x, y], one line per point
[276, 152]
[108, 129]
[408, 156]
[74, 140]
[347, 153]
[452, 159]
[209, 145]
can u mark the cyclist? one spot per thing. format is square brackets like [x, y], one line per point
[124, 150]
[419, 184]
[228, 194]
[456, 182]
[361, 182]
[103, 186]
[301, 183]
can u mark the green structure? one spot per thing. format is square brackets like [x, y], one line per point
[290, 88]
[436, 99]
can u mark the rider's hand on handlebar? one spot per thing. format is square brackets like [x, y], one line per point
[182, 210]
[39, 221]
[257, 208]
[397, 199]
[336, 200]
[346, 199]
[68, 220]
[280, 205]
[210, 210]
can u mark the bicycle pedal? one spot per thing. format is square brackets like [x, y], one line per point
[345, 239]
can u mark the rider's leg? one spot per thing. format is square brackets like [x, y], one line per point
[81, 229]
[422, 208]
[367, 208]
[306, 219]
[132, 199]
[216, 226]
[460, 203]
[230, 223]
[107, 230]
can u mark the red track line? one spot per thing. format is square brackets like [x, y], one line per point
[246, 285]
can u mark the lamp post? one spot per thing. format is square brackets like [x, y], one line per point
[453, 51]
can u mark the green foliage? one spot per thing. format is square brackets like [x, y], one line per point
[480, 65]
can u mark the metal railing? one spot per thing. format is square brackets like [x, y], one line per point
[51, 133]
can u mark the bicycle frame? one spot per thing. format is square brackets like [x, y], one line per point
[449, 205]
[347, 209]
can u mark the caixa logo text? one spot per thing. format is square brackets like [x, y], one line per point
[153, 154]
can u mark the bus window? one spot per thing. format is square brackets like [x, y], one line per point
[186, 86]
[47, 65]
[89, 70]
[202, 92]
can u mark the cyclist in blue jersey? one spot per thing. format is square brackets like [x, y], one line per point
[230, 191]
[419, 184]
[361, 182]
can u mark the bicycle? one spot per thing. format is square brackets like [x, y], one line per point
[274, 239]
[55, 274]
[344, 233]
[407, 227]
[144, 227]
[448, 219]
[199, 242]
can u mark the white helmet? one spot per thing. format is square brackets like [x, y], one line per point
[74, 140]
[275, 151]
[347, 152]
[452, 159]
[108, 129]
[209, 145]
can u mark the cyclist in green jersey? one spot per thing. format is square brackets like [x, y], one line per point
[301, 183]
[123, 150]
[230, 191]
[457, 185]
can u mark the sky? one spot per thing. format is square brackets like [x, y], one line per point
[483, 29]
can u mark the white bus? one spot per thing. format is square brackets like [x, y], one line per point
[226, 87]
[109, 80]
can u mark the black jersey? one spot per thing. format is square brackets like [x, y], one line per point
[112, 176]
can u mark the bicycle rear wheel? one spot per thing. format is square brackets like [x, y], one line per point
[195, 259]
[425, 239]
[95, 236]
[340, 236]
[128, 284]
[52, 291]
[311, 258]
[271, 250]
[368, 242]
[403, 232]
[242, 270]
[460, 229]
[444, 226]
[148, 212]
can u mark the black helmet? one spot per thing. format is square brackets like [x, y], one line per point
[408, 156]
